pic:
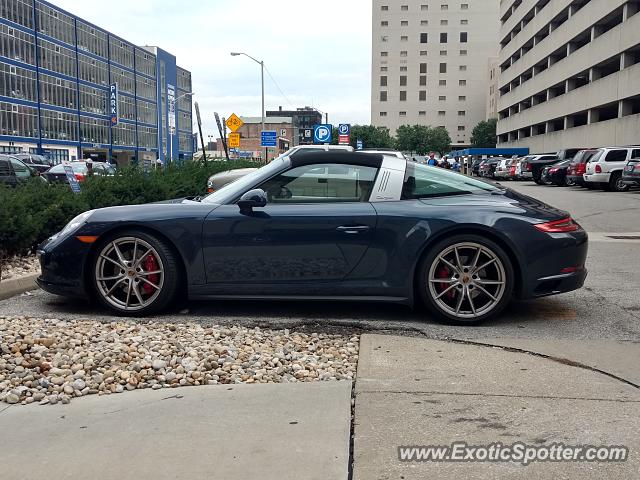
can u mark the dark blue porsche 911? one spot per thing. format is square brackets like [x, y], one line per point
[326, 225]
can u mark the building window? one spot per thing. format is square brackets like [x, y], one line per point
[403, 95]
[383, 80]
[404, 23]
[422, 113]
[463, 53]
[403, 53]
[423, 68]
[423, 38]
[384, 54]
[462, 98]
[444, 7]
[403, 80]
[442, 83]
[442, 113]
[403, 69]
[462, 83]
[404, 38]
[423, 53]
[424, 7]
[443, 53]
[422, 95]
[443, 68]
[444, 37]
[384, 23]
[464, 6]
[383, 114]
[384, 38]
[444, 22]
[463, 68]
[384, 8]
[461, 128]
[404, 8]
[464, 22]
[383, 96]
[461, 113]
[384, 69]
[424, 23]
[423, 80]
[442, 98]
[463, 37]
[403, 114]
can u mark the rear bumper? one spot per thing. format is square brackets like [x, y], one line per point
[596, 177]
[631, 178]
[576, 178]
[556, 284]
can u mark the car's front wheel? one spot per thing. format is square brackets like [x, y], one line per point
[466, 279]
[135, 273]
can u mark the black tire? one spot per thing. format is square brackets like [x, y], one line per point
[426, 266]
[171, 277]
[615, 183]
[538, 181]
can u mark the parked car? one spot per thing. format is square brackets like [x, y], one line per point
[568, 153]
[502, 169]
[488, 167]
[325, 226]
[556, 174]
[13, 171]
[56, 174]
[513, 169]
[37, 162]
[631, 173]
[219, 180]
[604, 169]
[537, 162]
[475, 166]
[578, 166]
[526, 168]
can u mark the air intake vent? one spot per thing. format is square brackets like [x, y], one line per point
[384, 182]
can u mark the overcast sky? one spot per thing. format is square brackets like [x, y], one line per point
[318, 52]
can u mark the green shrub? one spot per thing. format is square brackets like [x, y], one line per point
[32, 212]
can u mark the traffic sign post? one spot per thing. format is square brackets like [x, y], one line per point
[359, 145]
[269, 138]
[234, 123]
[234, 140]
[322, 133]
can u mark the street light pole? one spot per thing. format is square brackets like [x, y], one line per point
[261, 63]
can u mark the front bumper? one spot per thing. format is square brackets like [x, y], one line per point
[62, 262]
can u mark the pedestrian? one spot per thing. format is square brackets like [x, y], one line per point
[432, 160]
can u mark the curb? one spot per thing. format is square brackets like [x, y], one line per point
[16, 286]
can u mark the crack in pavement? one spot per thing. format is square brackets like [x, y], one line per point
[499, 395]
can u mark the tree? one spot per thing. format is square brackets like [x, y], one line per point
[422, 139]
[484, 134]
[371, 136]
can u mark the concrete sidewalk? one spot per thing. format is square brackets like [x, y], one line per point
[414, 391]
[268, 431]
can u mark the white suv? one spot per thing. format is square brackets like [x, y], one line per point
[605, 168]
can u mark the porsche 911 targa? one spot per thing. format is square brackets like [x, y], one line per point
[325, 226]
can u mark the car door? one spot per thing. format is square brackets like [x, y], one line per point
[316, 226]
[20, 170]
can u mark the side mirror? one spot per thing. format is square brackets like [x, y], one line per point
[256, 198]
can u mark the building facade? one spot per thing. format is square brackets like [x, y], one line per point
[569, 74]
[57, 75]
[303, 119]
[430, 61]
[251, 137]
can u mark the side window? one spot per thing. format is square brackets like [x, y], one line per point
[20, 169]
[635, 154]
[616, 156]
[322, 183]
[5, 171]
[549, 157]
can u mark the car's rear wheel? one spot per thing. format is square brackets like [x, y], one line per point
[135, 273]
[466, 279]
[616, 184]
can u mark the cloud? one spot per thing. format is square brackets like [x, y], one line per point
[318, 52]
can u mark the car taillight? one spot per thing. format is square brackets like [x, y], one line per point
[526, 166]
[79, 176]
[598, 168]
[581, 168]
[558, 226]
[553, 170]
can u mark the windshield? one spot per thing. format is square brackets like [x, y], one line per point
[423, 181]
[596, 157]
[239, 186]
[78, 167]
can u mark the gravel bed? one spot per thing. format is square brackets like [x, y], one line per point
[49, 361]
[18, 267]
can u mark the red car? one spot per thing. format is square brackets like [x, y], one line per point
[578, 166]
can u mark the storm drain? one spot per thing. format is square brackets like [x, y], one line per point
[624, 237]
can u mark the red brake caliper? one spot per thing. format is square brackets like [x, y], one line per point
[150, 265]
[444, 272]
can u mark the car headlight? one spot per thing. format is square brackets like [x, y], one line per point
[76, 223]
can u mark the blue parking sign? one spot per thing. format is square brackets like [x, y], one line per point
[344, 129]
[322, 133]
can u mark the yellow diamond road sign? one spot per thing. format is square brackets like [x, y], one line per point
[234, 123]
[234, 140]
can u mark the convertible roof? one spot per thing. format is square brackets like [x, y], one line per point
[335, 156]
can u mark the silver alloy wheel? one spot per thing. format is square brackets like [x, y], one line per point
[620, 185]
[467, 280]
[122, 277]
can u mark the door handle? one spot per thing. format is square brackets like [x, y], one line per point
[353, 229]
